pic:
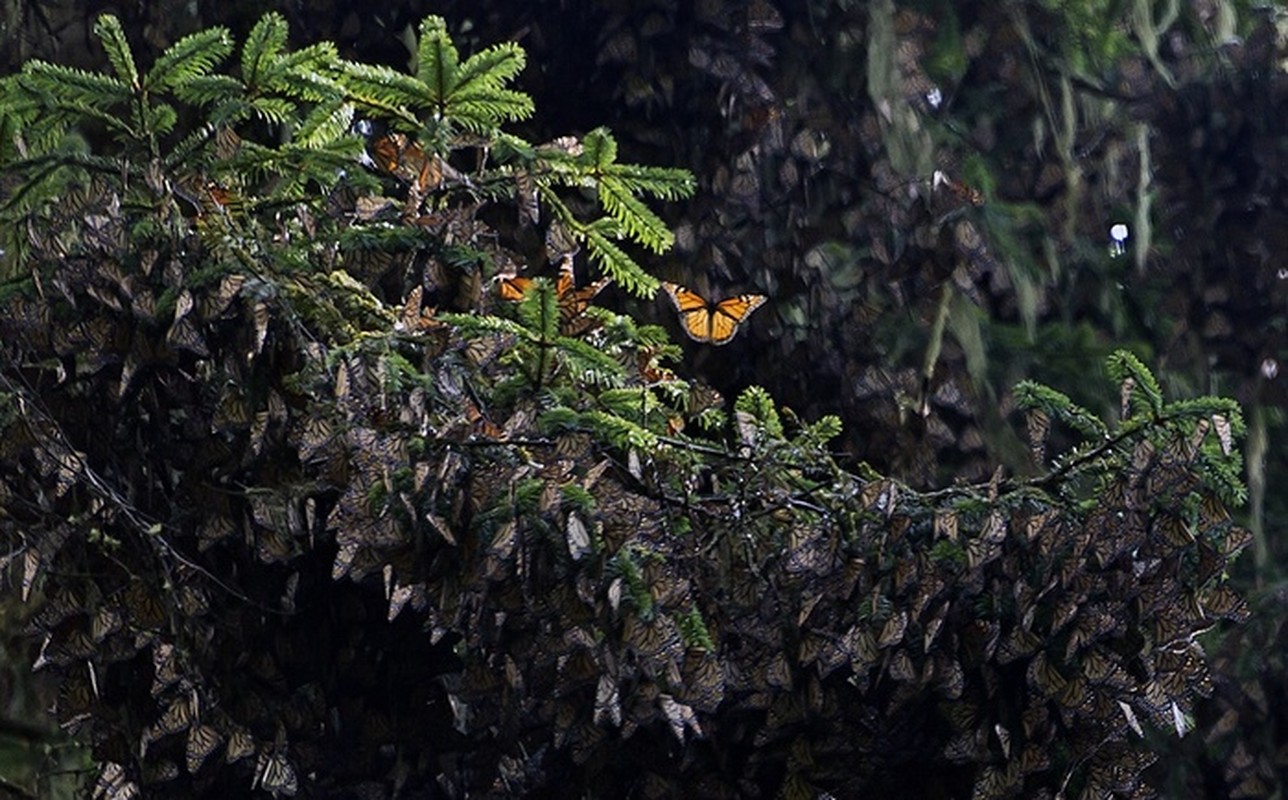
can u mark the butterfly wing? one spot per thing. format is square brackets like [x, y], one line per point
[683, 299]
[387, 151]
[573, 302]
[567, 280]
[729, 315]
[695, 314]
[512, 287]
[399, 156]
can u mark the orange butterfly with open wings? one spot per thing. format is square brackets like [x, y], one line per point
[712, 323]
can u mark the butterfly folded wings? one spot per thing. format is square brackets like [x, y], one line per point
[712, 323]
[398, 155]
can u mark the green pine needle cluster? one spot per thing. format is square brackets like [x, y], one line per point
[1202, 430]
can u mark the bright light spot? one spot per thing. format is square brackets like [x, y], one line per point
[934, 97]
[1269, 368]
[1118, 234]
[1282, 274]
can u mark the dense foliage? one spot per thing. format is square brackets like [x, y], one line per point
[283, 526]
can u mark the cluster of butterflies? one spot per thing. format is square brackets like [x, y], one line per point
[397, 155]
[701, 319]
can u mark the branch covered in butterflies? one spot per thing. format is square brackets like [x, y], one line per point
[148, 529]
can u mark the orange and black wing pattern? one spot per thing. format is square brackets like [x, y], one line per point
[712, 323]
[573, 302]
[512, 287]
[399, 156]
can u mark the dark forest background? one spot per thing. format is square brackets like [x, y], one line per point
[928, 193]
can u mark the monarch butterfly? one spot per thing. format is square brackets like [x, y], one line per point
[778, 673]
[479, 423]
[76, 699]
[240, 745]
[218, 197]
[701, 399]
[901, 668]
[1044, 677]
[711, 323]
[704, 681]
[501, 550]
[107, 621]
[608, 702]
[893, 630]
[202, 741]
[275, 775]
[397, 155]
[114, 784]
[1234, 540]
[573, 302]
[560, 242]
[414, 318]
[402, 595]
[178, 717]
[512, 287]
[1016, 645]
[579, 545]
[653, 641]
[165, 669]
[680, 717]
[61, 604]
[146, 610]
[1074, 693]
[193, 600]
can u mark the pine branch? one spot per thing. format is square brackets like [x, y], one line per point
[490, 70]
[308, 60]
[539, 310]
[615, 262]
[387, 92]
[112, 36]
[471, 325]
[622, 433]
[599, 150]
[326, 123]
[277, 110]
[664, 183]
[483, 113]
[262, 46]
[61, 114]
[304, 81]
[437, 60]
[54, 83]
[210, 89]
[585, 357]
[636, 219]
[192, 56]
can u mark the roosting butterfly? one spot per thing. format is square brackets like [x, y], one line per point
[406, 160]
[712, 323]
[573, 302]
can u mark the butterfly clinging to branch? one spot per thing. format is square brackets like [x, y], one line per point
[573, 302]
